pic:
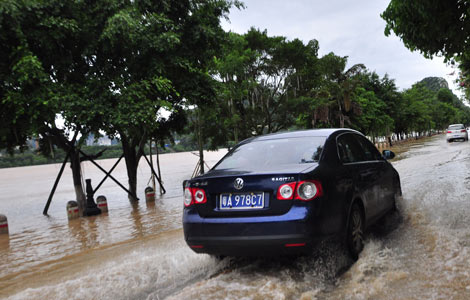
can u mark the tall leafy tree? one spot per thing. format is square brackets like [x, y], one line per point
[434, 27]
[110, 65]
[48, 49]
[263, 78]
[156, 59]
[417, 108]
[386, 91]
[342, 83]
[372, 119]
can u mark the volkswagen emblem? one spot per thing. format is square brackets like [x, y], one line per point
[238, 184]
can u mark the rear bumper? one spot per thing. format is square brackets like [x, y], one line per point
[291, 233]
[456, 136]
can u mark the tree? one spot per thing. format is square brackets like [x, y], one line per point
[156, 59]
[111, 65]
[372, 119]
[272, 69]
[342, 83]
[264, 80]
[49, 50]
[445, 95]
[433, 27]
[417, 108]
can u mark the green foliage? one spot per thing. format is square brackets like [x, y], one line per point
[435, 28]
[262, 79]
[373, 119]
[446, 95]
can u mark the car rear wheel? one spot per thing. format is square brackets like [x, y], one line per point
[355, 232]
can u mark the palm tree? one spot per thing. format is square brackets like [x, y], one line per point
[343, 82]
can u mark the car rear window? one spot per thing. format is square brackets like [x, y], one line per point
[456, 127]
[264, 154]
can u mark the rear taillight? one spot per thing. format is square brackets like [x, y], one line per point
[286, 191]
[199, 196]
[194, 195]
[463, 130]
[295, 245]
[302, 190]
[188, 197]
[308, 190]
[448, 131]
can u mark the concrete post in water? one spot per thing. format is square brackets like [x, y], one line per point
[102, 203]
[3, 224]
[72, 210]
[149, 194]
[91, 208]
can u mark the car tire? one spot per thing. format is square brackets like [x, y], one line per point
[355, 232]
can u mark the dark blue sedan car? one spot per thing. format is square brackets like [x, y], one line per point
[283, 193]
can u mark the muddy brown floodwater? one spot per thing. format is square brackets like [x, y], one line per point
[138, 251]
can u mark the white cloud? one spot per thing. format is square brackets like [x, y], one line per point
[347, 28]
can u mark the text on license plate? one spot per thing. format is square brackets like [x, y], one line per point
[242, 201]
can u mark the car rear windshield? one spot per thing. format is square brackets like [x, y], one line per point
[265, 154]
[456, 127]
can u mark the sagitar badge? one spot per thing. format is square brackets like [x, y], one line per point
[238, 184]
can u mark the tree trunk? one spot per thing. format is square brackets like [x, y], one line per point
[132, 175]
[59, 139]
[130, 156]
[200, 144]
[201, 160]
[77, 180]
[341, 119]
[158, 167]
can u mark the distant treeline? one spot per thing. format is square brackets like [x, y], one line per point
[32, 157]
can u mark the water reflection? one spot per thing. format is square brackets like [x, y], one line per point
[84, 231]
[150, 205]
[4, 242]
[136, 218]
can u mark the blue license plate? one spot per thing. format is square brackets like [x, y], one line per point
[242, 201]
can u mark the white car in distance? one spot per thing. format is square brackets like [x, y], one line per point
[456, 132]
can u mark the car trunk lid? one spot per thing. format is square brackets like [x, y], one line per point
[225, 185]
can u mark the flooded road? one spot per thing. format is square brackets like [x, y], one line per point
[138, 252]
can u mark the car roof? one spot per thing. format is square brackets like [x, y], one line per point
[323, 132]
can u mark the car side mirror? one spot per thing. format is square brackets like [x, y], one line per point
[388, 154]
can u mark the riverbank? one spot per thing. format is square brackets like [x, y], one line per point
[401, 147]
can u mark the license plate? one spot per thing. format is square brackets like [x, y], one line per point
[242, 201]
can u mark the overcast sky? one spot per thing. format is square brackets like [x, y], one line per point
[345, 27]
